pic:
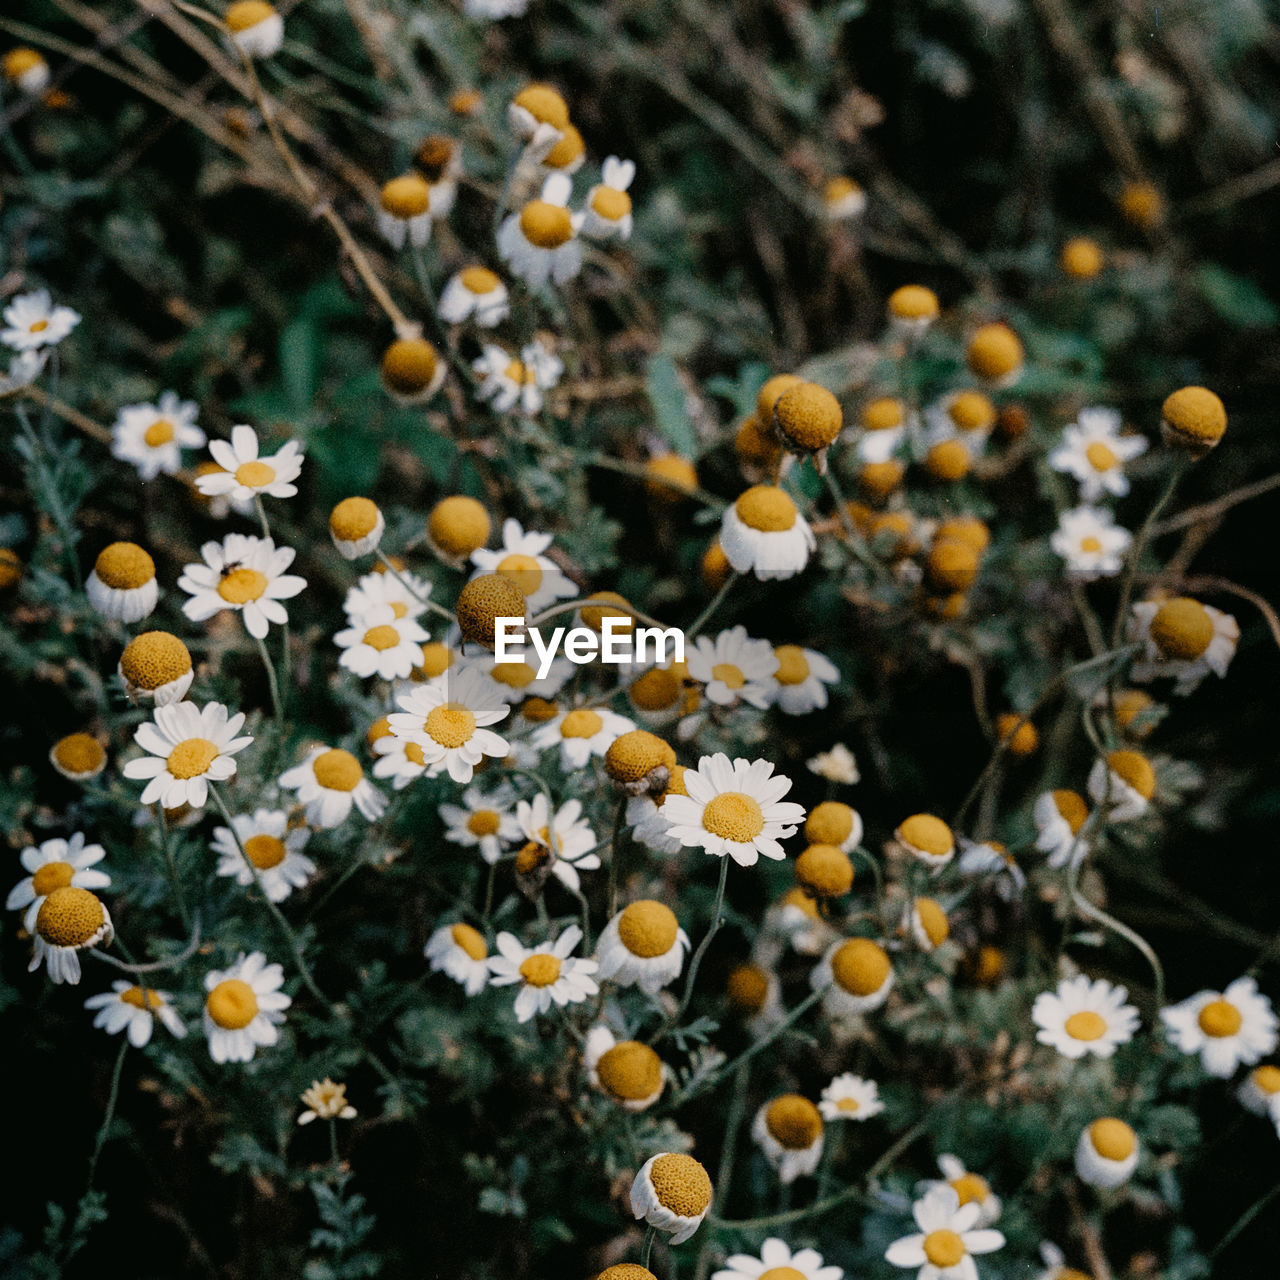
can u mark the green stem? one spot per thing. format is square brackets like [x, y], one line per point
[1138, 547]
[615, 856]
[674, 1019]
[1245, 1219]
[276, 705]
[110, 1114]
[695, 627]
[425, 601]
[647, 1251]
[175, 881]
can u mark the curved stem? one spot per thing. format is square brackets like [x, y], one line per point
[175, 881]
[425, 601]
[110, 1114]
[674, 1018]
[695, 627]
[173, 962]
[1139, 546]
[615, 855]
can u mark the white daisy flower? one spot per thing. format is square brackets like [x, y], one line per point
[483, 821]
[850, 1097]
[404, 211]
[947, 1241]
[733, 808]
[836, 765]
[564, 837]
[399, 760]
[803, 676]
[608, 209]
[243, 573]
[568, 154]
[326, 1101]
[755, 994]
[404, 594]
[644, 815]
[927, 839]
[789, 1131]
[856, 975]
[244, 1007]
[884, 430]
[27, 70]
[447, 720]
[382, 644]
[507, 383]
[32, 321]
[243, 475]
[643, 946]
[537, 115]
[475, 293]
[1182, 639]
[580, 734]
[843, 199]
[1084, 1017]
[1090, 542]
[1123, 783]
[256, 29]
[775, 1256]
[734, 668]
[1228, 1029]
[461, 953]
[520, 558]
[152, 436]
[1094, 452]
[1260, 1093]
[547, 973]
[992, 858]
[626, 1072]
[794, 919]
[1107, 1153]
[673, 1193]
[515, 681]
[832, 822]
[966, 416]
[55, 864]
[927, 923]
[356, 526]
[540, 243]
[329, 782]
[134, 1010]
[763, 532]
[123, 586]
[188, 748]
[24, 369]
[69, 920]
[274, 850]
[1059, 817]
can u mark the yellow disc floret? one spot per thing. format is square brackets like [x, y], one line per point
[673, 477]
[734, 816]
[545, 225]
[769, 394]
[70, 917]
[933, 920]
[154, 659]
[748, 988]
[79, 753]
[633, 756]
[1135, 769]
[809, 417]
[459, 525]
[337, 770]
[1219, 1018]
[948, 460]
[124, 566]
[232, 1004]
[1071, 806]
[680, 1184]
[1194, 418]
[952, 566]
[824, 871]
[860, 966]
[1112, 1139]
[593, 615]
[1081, 258]
[410, 366]
[248, 13]
[766, 508]
[793, 1121]
[994, 352]
[406, 197]
[829, 823]
[482, 601]
[913, 302]
[630, 1071]
[544, 104]
[648, 928]
[1017, 733]
[540, 969]
[1182, 628]
[353, 519]
[883, 414]
[470, 940]
[923, 833]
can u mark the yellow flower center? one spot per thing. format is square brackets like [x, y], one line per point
[140, 999]
[124, 566]
[994, 351]
[436, 660]
[648, 928]
[51, 876]
[680, 1184]
[451, 725]
[808, 416]
[1112, 1139]
[1267, 1078]
[17, 62]
[1085, 1025]
[337, 770]
[630, 1071]
[610, 203]
[546, 226]
[971, 411]
[255, 475]
[515, 675]
[927, 834]
[409, 367]
[583, 723]
[913, 302]
[656, 690]
[1091, 544]
[933, 920]
[470, 940]
[766, 508]
[793, 666]
[1101, 457]
[733, 815]
[247, 13]
[883, 414]
[154, 659]
[160, 432]
[232, 1004]
[265, 851]
[69, 917]
[406, 197]
[943, 1248]
[382, 637]
[1220, 1018]
[414, 754]
[748, 988]
[794, 1121]
[490, 596]
[540, 969]
[544, 104]
[948, 460]
[860, 966]
[1182, 629]
[829, 823]
[241, 585]
[1197, 413]
[459, 525]
[191, 758]
[1072, 808]
[484, 822]
[824, 871]
[79, 753]
[1135, 769]
[522, 571]
[478, 280]
[567, 150]
[353, 519]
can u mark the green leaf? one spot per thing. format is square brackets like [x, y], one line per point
[667, 395]
[300, 355]
[1237, 299]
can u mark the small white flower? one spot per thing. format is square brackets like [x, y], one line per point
[626, 1072]
[243, 573]
[1260, 1093]
[274, 850]
[1107, 1153]
[991, 858]
[1059, 817]
[643, 946]
[244, 475]
[803, 676]
[520, 558]
[793, 919]
[1182, 639]
[405, 594]
[483, 821]
[515, 681]
[69, 920]
[967, 416]
[329, 782]
[26, 69]
[944, 1247]
[404, 211]
[447, 720]
[540, 242]
[461, 953]
[508, 383]
[1124, 783]
[152, 436]
[32, 321]
[475, 293]
[580, 734]
[608, 209]
[134, 1010]
[763, 532]
[547, 974]
[55, 864]
[565, 836]
[734, 668]
[255, 28]
[244, 1007]
[382, 643]
[24, 369]
[776, 1256]
[790, 1132]
[1090, 542]
[856, 975]
[123, 584]
[850, 1097]
[188, 748]
[1228, 1029]
[326, 1101]
[1084, 1017]
[835, 765]
[667, 1187]
[1094, 452]
[843, 199]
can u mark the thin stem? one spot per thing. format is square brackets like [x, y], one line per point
[1139, 546]
[1245, 1219]
[269, 666]
[425, 601]
[695, 627]
[647, 1251]
[674, 1018]
[173, 962]
[615, 857]
[262, 515]
[110, 1114]
[175, 881]
[856, 541]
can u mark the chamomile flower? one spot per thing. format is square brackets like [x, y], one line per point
[405, 594]
[32, 322]
[382, 643]
[123, 586]
[992, 858]
[777, 1261]
[329, 782]
[273, 849]
[188, 747]
[79, 757]
[55, 864]
[842, 199]
[411, 371]
[521, 561]
[447, 720]
[562, 842]
[672, 1192]
[439, 159]
[850, 1097]
[156, 665]
[928, 924]
[540, 242]
[642, 946]
[69, 920]
[1260, 1093]
[626, 1072]
[803, 676]
[256, 29]
[764, 533]
[24, 369]
[734, 668]
[857, 976]
[1094, 452]
[399, 760]
[796, 920]
[971, 1188]
[608, 208]
[755, 994]
[536, 113]
[835, 765]
[484, 821]
[1194, 420]
[244, 1008]
[548, 973]
[152, 436]
[661, 693]
[884, 429]
[509, 384]
[1107, 1153]
[461, 953]
[1090, 542]
[1124, 783]
[1228, 1029]
[1055, 1267]
[912, 309]
[1084, 1017]
[244, 475]
[580, 734]
[457, 526]
[947, 1241]
[927, 839]
[966, 416]
[644, 814]
[995, 354]
[243, 573]
[1059, 817]
[404, 211]
[475, 293]
[1182, 639]
[27, 70]
[326, 1100]
[515, 681]
[734, 809]
[789, 1131]
[568, 154]
[135, 1010]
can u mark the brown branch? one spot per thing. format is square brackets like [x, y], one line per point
[1211, 510]
[64, 411]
